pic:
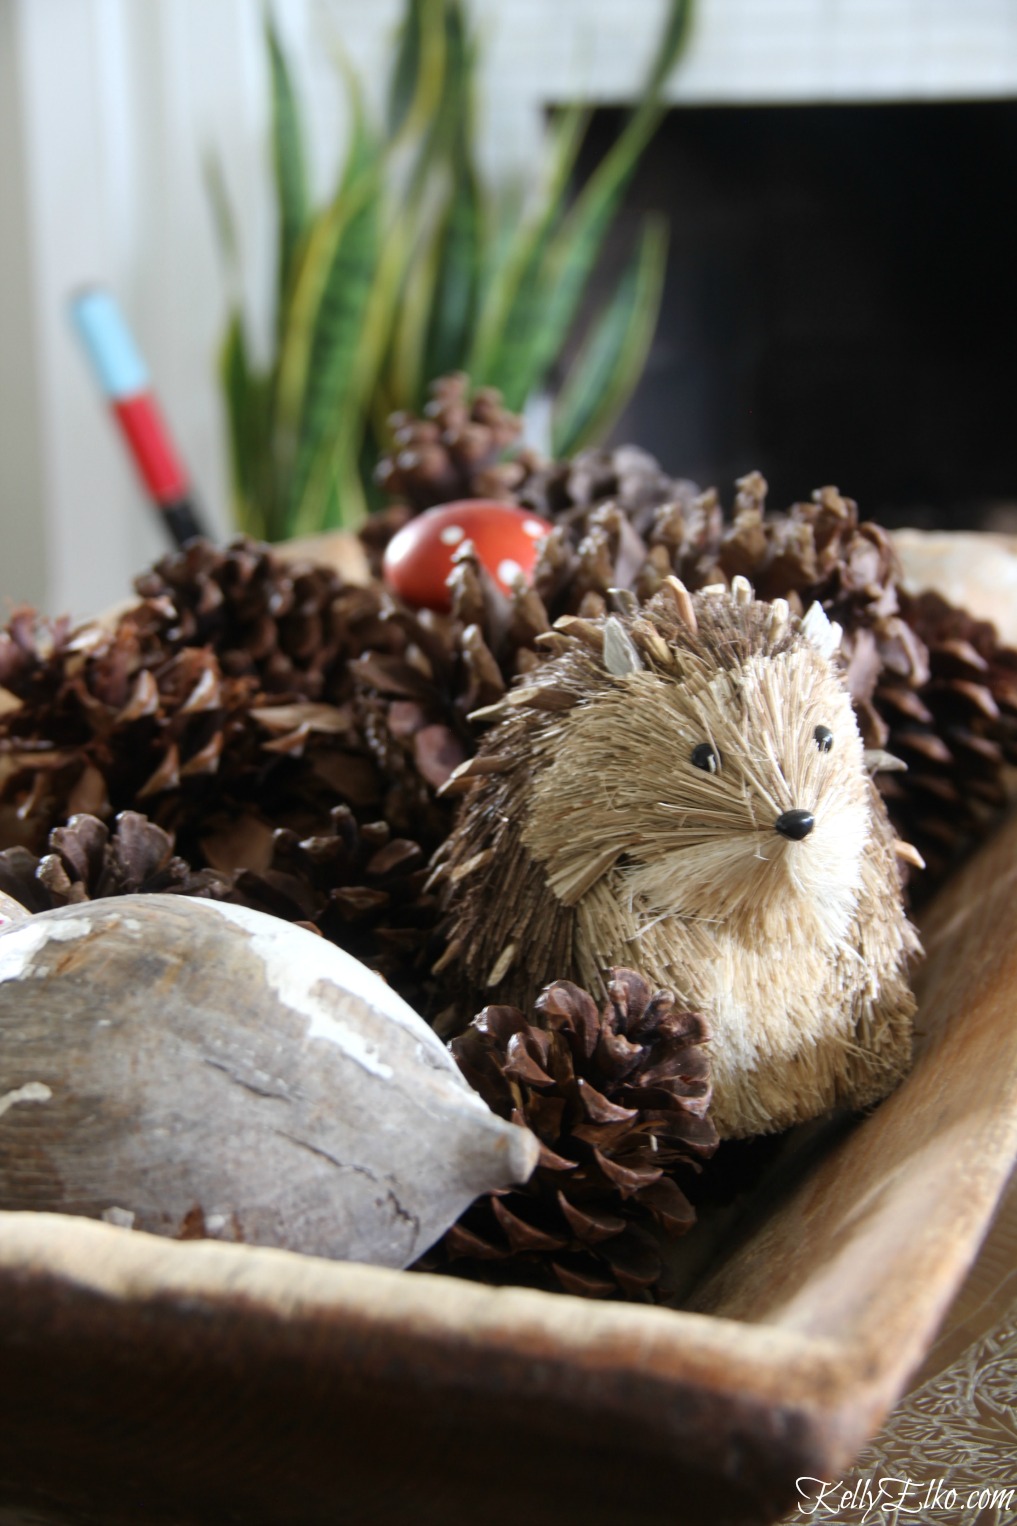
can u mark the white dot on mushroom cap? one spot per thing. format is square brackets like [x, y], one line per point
[508, 571]
[534, 528]
[451, 535]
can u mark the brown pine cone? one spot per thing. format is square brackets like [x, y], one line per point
[566, 491]
[316, 800]
[231, 682]
[108, 719]
[358, 885]
[816, 551]
[465, 446]
[87, 861]
[269, 620]
[957, 732]
[468, 446]
[618, 1099]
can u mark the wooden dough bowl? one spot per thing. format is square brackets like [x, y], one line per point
[143, 1380]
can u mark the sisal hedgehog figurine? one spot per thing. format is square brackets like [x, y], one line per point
[684, 790]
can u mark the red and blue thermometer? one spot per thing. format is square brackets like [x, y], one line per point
[123, 376]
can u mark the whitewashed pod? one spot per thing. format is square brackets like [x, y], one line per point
[191, 1068]
[11, 911]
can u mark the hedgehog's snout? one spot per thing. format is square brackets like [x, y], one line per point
[795, 824]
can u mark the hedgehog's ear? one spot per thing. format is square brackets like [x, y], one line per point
[620, 654]
[821, 632]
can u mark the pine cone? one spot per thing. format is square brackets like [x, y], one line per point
[957, 732]
[240, 699]
[463, 447]
[230, 682]
[105, 720]
[566, 491]
[618, 1099]
[469, 447]
[286, 730]
[267, 620]
[358, 886]
[86, 861]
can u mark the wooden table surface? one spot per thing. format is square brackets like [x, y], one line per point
[956, 1427]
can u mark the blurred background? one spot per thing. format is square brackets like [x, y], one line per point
[836, 175]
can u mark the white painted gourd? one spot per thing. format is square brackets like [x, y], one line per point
[192, 1068]
[11, 911]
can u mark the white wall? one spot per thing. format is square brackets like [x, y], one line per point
[106, 110]
[22, 494]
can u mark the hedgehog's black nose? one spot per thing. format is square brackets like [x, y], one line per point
[795, 824]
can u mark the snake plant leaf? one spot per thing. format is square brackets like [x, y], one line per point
[235, 377]
[405, 79]
[288, 162]
[293, 379]
[244, 392]
[247, 393]
[405, 374]
[502, 215]
[334, 496]
[342, 503]
[549, 305]
[440, 134]
[453, 123]
[434, 312]
[609, 180]
[324, 315]
[338, 332]
[460, 231]
[330, 493]
[418, 70]
[223, 219]
[373, 443]
[673, 42]
[612, 356]
[455, 291]
[508, 315]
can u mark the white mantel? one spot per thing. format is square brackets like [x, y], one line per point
[107, 106]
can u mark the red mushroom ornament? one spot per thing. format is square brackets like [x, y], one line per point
[419, 557]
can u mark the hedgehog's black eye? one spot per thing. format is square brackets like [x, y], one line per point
[706, 757]
[824, 738]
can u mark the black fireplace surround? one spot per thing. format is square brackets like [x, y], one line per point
[840, 305]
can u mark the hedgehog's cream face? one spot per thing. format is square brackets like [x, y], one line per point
[742, 800]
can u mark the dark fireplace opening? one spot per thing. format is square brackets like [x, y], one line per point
[840, 304]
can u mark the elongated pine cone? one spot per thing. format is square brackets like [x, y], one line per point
[618, 1098]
